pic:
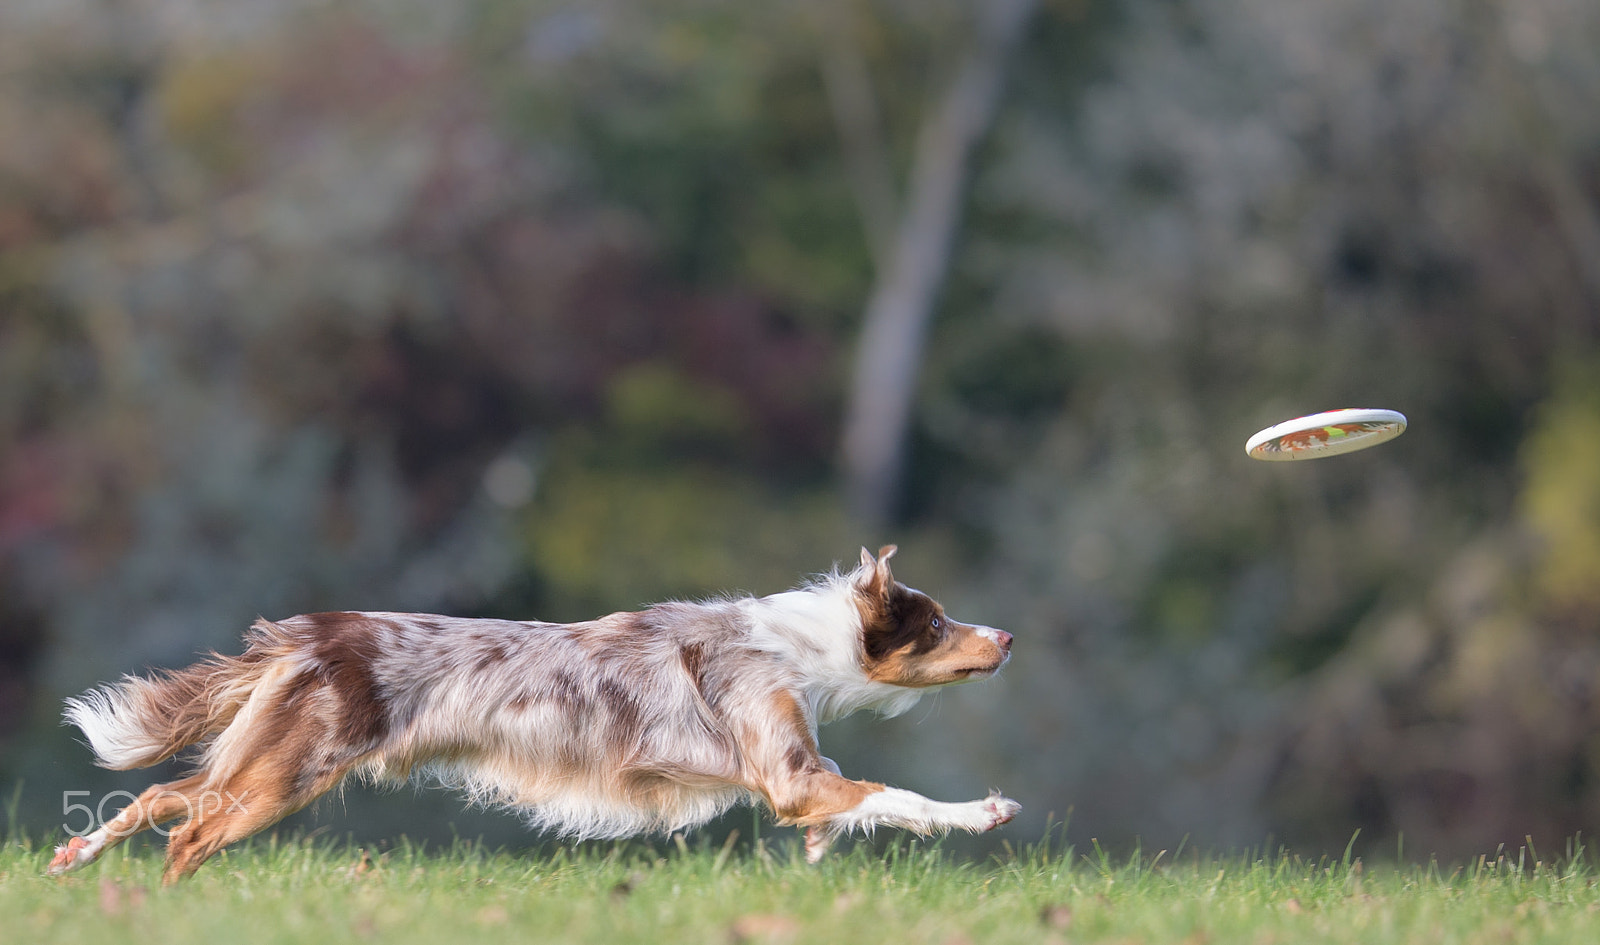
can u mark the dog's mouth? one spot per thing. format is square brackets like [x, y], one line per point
[979, 672]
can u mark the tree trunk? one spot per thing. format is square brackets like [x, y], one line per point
[903, 298]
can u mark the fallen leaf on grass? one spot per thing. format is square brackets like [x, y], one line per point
[115, 899]
[763, 927]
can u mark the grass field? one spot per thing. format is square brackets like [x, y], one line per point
[310, 891]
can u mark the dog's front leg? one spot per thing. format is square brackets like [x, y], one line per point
[830, 805]
[818, 841]
[907, 810]
[805, 789]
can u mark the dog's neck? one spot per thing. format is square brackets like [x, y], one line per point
[817, 630]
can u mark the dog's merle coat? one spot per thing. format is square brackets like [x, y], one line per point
[632, 723]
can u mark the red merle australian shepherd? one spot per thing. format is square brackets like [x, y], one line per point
[638, 722]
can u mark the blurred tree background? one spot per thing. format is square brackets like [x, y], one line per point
[538, 308]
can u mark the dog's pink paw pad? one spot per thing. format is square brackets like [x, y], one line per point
[1000, 810]
[66, 857]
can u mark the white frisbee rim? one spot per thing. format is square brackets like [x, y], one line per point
[1349, 443]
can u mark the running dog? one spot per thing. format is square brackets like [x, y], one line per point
[644, 722]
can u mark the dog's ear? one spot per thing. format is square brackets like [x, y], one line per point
[879, 579]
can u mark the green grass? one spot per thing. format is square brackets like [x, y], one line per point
[305, 891]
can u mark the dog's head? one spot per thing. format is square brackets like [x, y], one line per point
[908, 640]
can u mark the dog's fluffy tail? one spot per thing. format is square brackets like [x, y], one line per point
[139, 720]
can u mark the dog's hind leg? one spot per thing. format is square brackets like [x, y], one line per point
[158, 804]
[271, 787]
[284, 759]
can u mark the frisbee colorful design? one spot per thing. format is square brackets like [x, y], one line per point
[1326, 434]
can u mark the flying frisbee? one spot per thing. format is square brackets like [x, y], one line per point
[1326, 434]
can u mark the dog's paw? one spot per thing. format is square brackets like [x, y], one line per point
[818, 840]
[69, 856]
[1000, 809]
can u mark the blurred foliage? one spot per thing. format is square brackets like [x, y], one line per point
[542, 309]
[602, 537]
[708, 120]
[1561, 498]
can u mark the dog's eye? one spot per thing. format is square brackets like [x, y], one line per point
[937, 623]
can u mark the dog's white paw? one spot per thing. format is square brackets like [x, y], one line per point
[71, 855]
[999, 809]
